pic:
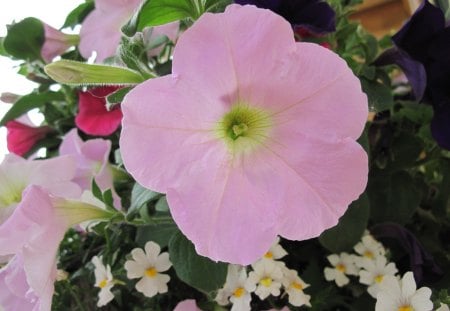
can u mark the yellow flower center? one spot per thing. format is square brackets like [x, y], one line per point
[151, 272]
[244, 127]
[267, 281]
[368, 254]
[296, 285]
[268, 255]
[405, 308]
[379, 278]
[340, 267]
[103, 283]
[239, 292]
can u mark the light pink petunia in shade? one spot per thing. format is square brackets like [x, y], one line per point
[91, 157]
[251, 136]
[153, 34]
[56, 43]
[101, 29]
[16, 173]
[22, 135]
[187, 305]
[15, 293]
[93, 118]
[34, 232]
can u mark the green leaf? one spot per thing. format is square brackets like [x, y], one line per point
[193, 269]
[444, 5]
[116, 97]
[350, 228]
[28, 102]
[379, 95]
[162, 205]
[25, 39]
[96, 190]
[393, 197]
[2, 48]
[159, 12]
[160, 233]
[78, 14]
[140, 196]
[404, 151]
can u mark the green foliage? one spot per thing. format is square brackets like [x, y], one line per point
[193, 269]
[78, 14]
[350, 228]
[25, 39]
[30, 101]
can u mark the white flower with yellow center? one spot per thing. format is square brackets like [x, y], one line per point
[343, 265]
[103, 280]
[147, 266]
[275, 252]
[373, 273]
[236, 289]
[443, 307]
[294, 287]
[403, 295]
[369, 248]
[267, 274]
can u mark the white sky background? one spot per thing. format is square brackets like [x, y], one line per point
[52, 12]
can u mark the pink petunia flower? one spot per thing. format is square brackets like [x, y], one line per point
[22, 135]
[152, 34]
[33, 232]
[16, 173]
[56, 43]
[91, 157]
[251, 136]
[101, 29]
[93, 118]
[187, 305]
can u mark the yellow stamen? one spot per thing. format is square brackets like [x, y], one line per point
[268, 255]
[239, 292]
[379, 278]
[266, 281]
[405, 308]
[103, 283]
[368, 254]
[151, 272]
[297, 285]
[340, 267]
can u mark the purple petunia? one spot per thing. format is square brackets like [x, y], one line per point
[314, 16]
[421, 49]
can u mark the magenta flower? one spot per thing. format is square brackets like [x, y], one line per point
[91, 157]
[22, 135]
[56, 43]
[251, 136]
[93, 118]
[33, 232]
[101, 29]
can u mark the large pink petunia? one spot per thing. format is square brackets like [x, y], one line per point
[101, 29]
[251, 136]
[16, 173]
[93, 118]
[33, 233]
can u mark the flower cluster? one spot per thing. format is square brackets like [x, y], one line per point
[266, 277]
[371, 265]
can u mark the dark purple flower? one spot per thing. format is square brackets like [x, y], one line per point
[421, 262]
[422, 49]
[315, 16]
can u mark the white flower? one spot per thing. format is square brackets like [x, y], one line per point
[443, 307]
[401, 295]
[268, 275]
[103, 280]
[369, 247]
[294, 286]
[147, 265]
[237, 289]
[275, 252]
[374, 272]
[343, 264]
